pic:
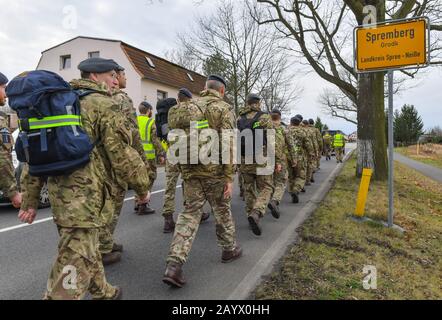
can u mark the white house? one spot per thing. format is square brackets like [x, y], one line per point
[149, 78]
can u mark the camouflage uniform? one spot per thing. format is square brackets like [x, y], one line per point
[83, 202]
[311, 158]
[304, 149]
[129, 114]
[258, 189]
[7, 182]
[320, 143]
[280, 179]
[205, 182]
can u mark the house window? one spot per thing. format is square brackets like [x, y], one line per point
[94, 54]
[150, 62]
[65, 62]
[190, 77]
[161, 95]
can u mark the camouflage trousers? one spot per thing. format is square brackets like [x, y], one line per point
[152, 173]
[258, 191]
[339, 153]
[196, 193]
[172, 176]
[280, 183]
[106, 233]
[310, 169]
[78, 268]
[327, 150]
[297, 178]
[318, 160]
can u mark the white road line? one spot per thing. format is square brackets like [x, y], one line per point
[20, 226]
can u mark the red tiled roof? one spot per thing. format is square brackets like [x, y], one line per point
[165, 72]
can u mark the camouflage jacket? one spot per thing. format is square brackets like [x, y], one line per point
[266, 123]
[312, 136]
[84, 199]
[220, 117]
[7, 181]
[319, 138]
[302, 143]
[128, 111]
[289, 152]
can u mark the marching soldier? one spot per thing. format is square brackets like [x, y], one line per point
[8, 184]
[82, 201]
[319, 142]
[152, 148]
[212, 183]
[339, 145]
[304, 149]
[311, 165]
[328, 141]
[258, 189]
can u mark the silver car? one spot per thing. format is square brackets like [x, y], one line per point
[44, 194]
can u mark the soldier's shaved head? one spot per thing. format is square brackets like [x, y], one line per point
[217, 86]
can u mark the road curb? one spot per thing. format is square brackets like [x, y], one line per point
[288, 237]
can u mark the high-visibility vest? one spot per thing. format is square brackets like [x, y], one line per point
[145, 124]
[328, 139]
[339, 141]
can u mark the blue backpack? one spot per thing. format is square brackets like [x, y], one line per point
[51, 138]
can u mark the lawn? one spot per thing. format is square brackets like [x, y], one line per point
[329, 258]
[430, 154]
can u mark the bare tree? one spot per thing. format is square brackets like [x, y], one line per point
[252, 51]
[321, 36]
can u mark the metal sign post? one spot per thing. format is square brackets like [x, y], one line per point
[391, 150]
[389, 46]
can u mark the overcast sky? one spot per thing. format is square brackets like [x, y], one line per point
[29, 27]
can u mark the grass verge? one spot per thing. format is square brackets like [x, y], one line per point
[328, 261]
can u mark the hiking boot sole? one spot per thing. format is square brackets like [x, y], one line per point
[172, 283]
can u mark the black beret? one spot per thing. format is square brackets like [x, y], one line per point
[296, 120]
[146, 105]
[299, 117]
[214, 77]
[3, 79]
[98, 65]
[186, 92]
[312, 122]
[276, 111]
[305, 122]
[120, 69]
[253, 97]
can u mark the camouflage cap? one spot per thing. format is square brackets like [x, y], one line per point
[3, 79]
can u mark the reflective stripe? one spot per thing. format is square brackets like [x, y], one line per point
[256, 125]
[54, 122]
[204, 124]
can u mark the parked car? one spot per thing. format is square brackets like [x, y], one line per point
[44, 194]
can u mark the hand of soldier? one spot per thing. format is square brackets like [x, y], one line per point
[162, 160]
[278, 168]
[27, 216]
[228, 190]
[16, 200]
[144, 200]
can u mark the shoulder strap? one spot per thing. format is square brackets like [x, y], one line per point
[82, 93]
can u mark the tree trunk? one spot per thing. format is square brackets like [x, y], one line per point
[372, 145]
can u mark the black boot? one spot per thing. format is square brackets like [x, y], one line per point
[295, 198]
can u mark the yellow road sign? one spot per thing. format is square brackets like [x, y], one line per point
[393, 45]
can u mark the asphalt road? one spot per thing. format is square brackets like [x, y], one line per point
[27, 252]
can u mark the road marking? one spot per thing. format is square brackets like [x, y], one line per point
[24, 225]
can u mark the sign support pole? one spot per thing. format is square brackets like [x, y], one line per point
[391, 149]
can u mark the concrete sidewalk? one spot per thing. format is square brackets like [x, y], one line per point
[427, 170]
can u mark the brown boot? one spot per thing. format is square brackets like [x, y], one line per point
[174, 275]
[111, 258]
[169, 224]
[117, 248]
[230, 256]
[205, 217]
[144, 210]
[274, 209]
[254, 223]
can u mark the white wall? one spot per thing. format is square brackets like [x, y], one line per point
[79, 49]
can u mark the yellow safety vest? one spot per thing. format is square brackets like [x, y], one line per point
[339, 141]
[145, 125]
